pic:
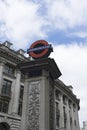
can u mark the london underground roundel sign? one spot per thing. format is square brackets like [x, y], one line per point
[40, 49]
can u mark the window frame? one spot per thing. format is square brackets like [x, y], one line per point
[6, 88]
[4, 105]
[20, 100]
[9, 69]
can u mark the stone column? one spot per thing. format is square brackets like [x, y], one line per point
[68, 116]
[25, 102]
[1, 74]
[72, 115]
[61, 111]
[77, 118]
[16, 92]
[44, 105]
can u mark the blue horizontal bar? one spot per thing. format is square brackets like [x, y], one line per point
[38, 48]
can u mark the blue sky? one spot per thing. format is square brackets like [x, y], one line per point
[63, 23]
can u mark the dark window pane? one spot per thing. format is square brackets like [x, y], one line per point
[20, 100]
[4, 106]
[57, 115]
[57, 94]
[0, 106]
[8, 69]
[20, 109]
[6, 88]
[21, 92]
[22, 76]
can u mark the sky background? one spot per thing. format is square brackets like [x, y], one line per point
[63, 23]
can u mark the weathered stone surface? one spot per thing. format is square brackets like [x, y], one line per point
[33, 106]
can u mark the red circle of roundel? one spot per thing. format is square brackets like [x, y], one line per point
[41, 54]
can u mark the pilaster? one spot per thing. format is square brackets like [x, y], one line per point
[61, 111]
[24, 108]
[1, 74]
[16, 92]
[77, 118]
[68, 115]
[72, 117]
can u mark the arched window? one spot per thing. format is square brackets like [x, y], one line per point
[4, 126]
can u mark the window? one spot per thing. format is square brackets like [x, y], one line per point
[8, 69]
[20, 108]
[65, 117]
[70, 118]
[20, 100]
[64, 99]
[22, 76]
[57, 108]
[70, 104]
[74, 107]
[70, 121]
[4, 106]
[75, 122]
[21, 92]
[6, 88]
[35, 73]
[57, 94]
[57, 115]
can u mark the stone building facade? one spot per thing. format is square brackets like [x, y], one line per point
[31, 95]
[84, 125]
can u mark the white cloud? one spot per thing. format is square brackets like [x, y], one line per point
[72, 61]
[20, 22]
[67, 13]
[80, 34]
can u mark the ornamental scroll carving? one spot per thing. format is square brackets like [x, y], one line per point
[33, 105]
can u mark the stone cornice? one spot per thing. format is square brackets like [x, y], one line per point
[11, 55]
[44, 63]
